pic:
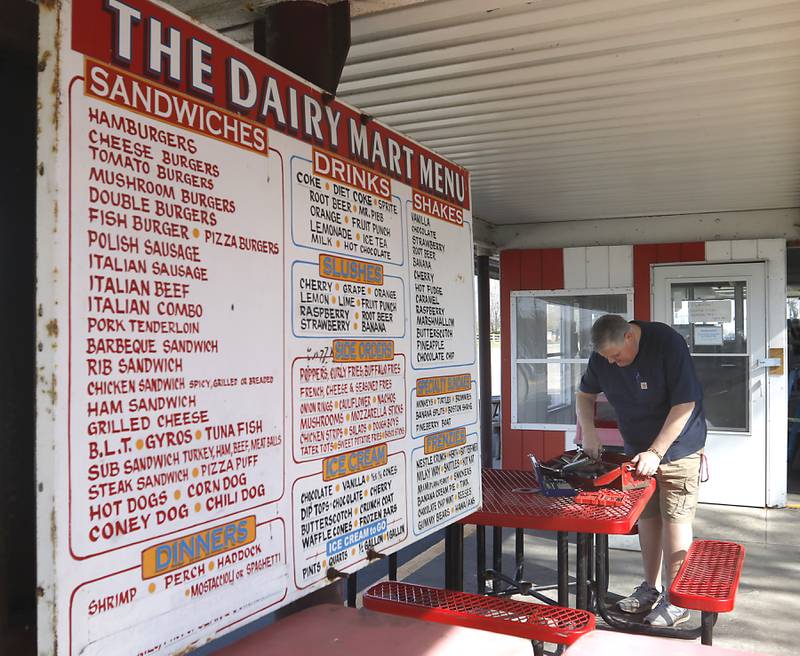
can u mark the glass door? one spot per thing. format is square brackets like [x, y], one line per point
[720, 311]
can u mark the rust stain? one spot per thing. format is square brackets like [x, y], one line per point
[53, 605]
[52, 328]
[52, 392]
[39, 310]
[39, 591]
[48, 4]
[43, 60]
[41, 168]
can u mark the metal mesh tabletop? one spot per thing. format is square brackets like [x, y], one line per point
[512, 499]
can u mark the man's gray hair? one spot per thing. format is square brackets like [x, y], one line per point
[609, 329]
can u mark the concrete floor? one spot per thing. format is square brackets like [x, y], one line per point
[767, 604]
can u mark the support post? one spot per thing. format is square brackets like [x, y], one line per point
[286, 29]
[484, 360]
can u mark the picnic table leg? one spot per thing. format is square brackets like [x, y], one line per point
[480, 541]
[600, 589]
[352, 589]
[582, 572]
[563, 568]
[393, 566]
[519, 554]
[454, 557]
[590, 574]
[497, 549]
[707, 621]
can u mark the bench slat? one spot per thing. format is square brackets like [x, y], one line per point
[709, 576]
[539, 622]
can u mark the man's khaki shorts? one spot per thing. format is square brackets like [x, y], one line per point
[677, 485]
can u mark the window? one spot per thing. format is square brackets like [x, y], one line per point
[550, 346]
[712, 316]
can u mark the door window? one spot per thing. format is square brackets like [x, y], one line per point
[712, 317]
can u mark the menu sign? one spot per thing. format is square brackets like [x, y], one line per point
[256, 327]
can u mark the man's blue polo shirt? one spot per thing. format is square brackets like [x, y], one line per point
[642, 394]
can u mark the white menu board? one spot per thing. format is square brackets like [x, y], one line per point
[257, 339]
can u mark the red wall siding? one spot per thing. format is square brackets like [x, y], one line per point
[524, 270]
[536, 269]
[646, 254]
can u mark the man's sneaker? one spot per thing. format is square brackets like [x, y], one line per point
[666, 614]
[642, 599]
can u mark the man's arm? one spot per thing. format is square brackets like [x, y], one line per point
[647, 462]
[584, 407]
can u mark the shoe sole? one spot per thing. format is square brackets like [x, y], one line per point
[638, 611]
[680, 620]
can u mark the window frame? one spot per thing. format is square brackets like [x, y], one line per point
[546, 293]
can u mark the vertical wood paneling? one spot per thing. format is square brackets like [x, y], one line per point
[774, 252]
[532, 441]
[552, 444]
[744, 249]
[597, 275]
[620, 266]
[535, 269]
[693, 252]
[643, 256]
[553, 268]
[509, 281]
[668, 253]
[530, 271]
[575, 268]
[718, 251]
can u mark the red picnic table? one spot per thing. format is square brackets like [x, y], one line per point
[512, 499]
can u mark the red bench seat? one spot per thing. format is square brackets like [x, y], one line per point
[536, 622]
[708, 579]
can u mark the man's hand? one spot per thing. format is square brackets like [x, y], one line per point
[592, 445]
[646, 463]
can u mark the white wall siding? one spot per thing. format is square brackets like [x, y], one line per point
[575, 268]
[620, 266]
[774, 252]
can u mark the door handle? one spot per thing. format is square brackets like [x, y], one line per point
[769, 362]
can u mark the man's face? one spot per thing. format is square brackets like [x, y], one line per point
[621, 354]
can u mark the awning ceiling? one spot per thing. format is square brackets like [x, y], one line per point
[580, 110]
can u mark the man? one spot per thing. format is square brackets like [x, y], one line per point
[647, 374]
